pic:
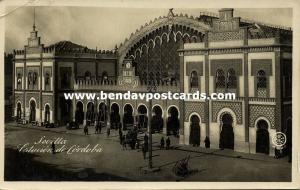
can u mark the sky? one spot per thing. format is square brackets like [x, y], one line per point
[105, 27]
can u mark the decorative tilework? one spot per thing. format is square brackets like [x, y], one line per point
[266, 111]
[197, 107]
[47, 99]
[19, 97]
[261, 64]
[194, 66]
[225, 36]
[236, 107]
[32, 95]
[225, 65]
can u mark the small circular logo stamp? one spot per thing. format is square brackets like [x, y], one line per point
[279, 140]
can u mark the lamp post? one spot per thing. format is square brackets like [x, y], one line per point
[151, 88]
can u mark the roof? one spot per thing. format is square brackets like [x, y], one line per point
[68, 46]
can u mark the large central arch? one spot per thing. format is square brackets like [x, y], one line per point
[157, 43]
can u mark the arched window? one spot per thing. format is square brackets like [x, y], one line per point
[87, 75]
[19, 79]
[104, 77]
[220, 79]
[47, 79]
[261, 79]
[231, 79]
[34, 78]
[30, 78]
[194, 80]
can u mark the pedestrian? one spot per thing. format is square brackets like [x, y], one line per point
[146, 138]
[168, 142]
[53, 147]
[120, 135]
[86, 130]
[96, 128]
[108, 130]
[207, 142]
[162, 143]
[124, 142]
[144, 151]
[137, 144]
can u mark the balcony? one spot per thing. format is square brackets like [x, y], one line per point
[112, 85]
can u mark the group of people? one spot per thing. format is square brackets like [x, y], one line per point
[162, 143]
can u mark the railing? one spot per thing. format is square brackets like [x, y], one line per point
[112, 85]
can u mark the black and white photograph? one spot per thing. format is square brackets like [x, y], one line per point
[148, 94]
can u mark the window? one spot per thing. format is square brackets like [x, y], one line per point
[194, 80]
[104, 77]
[34, 78]
[47, 79]
[19, 79]
[231, 79]
[87, 75]
[220, 79]
[30, 78]
[261, 79]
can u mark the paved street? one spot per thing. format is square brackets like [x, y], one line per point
[113, 163]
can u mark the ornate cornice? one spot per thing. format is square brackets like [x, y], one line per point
[168, 21]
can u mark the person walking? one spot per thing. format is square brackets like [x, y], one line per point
[107, 130]
[207, 142]
[168, 143]
[86, 130]
[144, 151]
[120, 135]
[162, 143]
[124, 142]
[53, 147]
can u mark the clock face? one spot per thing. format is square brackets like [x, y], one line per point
[128, 65]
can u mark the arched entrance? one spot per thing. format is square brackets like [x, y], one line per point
[157, 122]
[19, 111]
[47, 114]
[142, 117]
[102, 114]
[173, 121]
[90, 114]
[79, 114]
[66, 110]
[115, 118]
[262, 137]
[195, 130]
[128, 117]
[226, 135]
[32, 111]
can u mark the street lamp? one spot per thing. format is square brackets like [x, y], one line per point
[151, 88]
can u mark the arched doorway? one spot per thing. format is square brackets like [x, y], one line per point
[173, 121]
[195, 130]
[90, 113]
[19, 111]
[115, 118]
[79, 114]
[66, 110]
[142, 117]
[262, 137]
[102, 113]
[47, 114]
[127, 117]
[157, 122]
[226, 135]
[32, 111]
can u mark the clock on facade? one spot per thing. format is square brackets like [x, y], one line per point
[128, 65]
